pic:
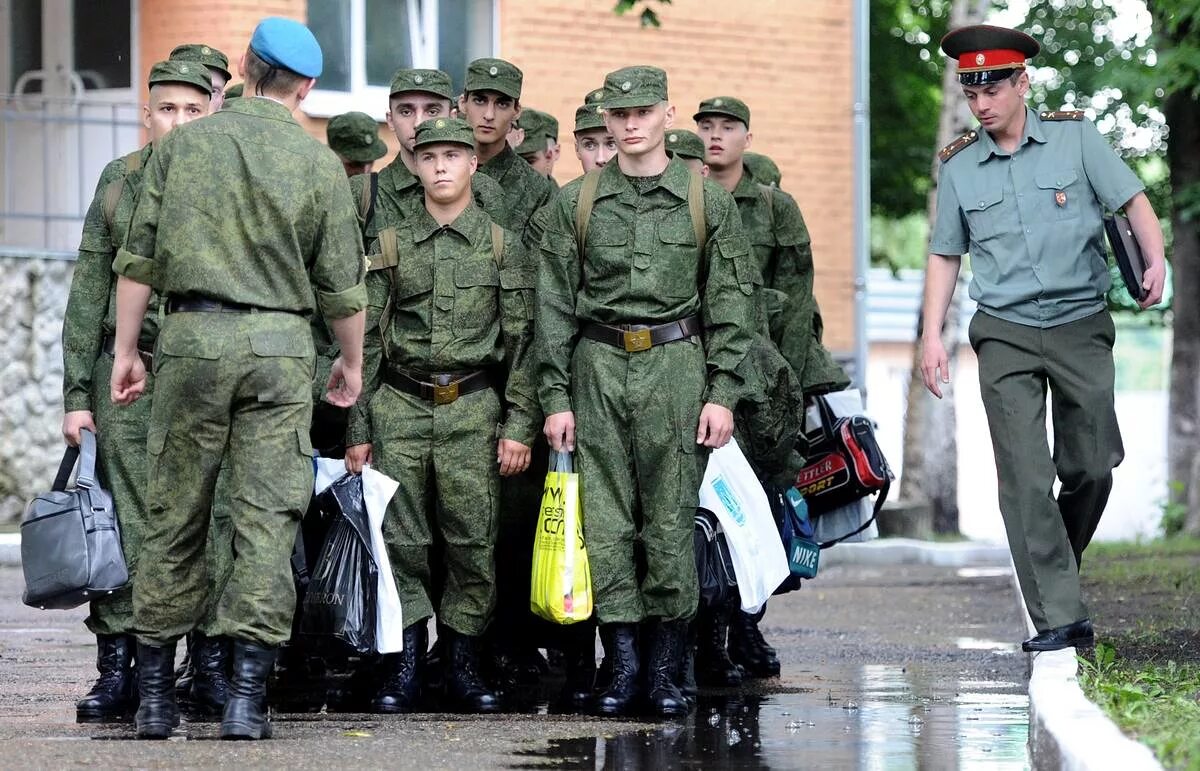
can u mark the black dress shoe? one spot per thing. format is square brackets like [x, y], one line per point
[1077, 635]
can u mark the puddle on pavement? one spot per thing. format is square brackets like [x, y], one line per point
[882, 717]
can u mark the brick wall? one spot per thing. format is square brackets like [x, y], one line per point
[791, 60]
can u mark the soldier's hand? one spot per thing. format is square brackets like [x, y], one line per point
[345, 383]
[73, 422]
[357, 456]
[716, 426]
[513, 457]
[560, 431]
[128, 380]
[935, 366]
[1153, 281]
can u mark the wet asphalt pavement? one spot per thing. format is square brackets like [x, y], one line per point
[892, 667]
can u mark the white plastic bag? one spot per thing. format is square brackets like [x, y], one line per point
[844, 519]
[732, 492]
[378, 489]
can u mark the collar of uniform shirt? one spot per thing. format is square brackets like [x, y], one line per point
[675, 179]
[422, 225]
[1033, 133]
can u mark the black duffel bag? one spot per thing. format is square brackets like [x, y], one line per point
[714, 564]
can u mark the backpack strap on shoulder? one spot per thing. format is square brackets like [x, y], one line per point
[389, 251]
[696, 207]
[498, 244]
[366, 202]
[112, 193]
[583, 208]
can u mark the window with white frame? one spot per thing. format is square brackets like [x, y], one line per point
[366, 41]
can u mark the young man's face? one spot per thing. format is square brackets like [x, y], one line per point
[725, 140]
[490, 114]
[445, 171]
[543, 161]
[219, 81]
[639, 131]
[407, 110]
[998, 105]
[594, 148]
[171, 105]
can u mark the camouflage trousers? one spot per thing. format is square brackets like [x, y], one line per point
[232, 387]
[447, 452]
[636, 416]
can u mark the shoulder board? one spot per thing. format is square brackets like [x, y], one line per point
[1061, 115]
[952, 149]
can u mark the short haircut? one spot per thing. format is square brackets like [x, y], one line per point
[269, 78]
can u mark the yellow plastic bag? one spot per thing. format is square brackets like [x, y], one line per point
[561, 589]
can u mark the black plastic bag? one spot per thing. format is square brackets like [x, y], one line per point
[714, 564]
[341, 599]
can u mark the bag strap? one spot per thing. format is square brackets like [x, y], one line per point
[696, 208]
[86, 478]
[65, 468]
[583, 208]
[879, 500]
[112, 193]
[498, 245]
[366, 202]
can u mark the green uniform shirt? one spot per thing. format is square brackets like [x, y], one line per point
[642, 265]
[91, 312]
[245, 207]
[1031, 219]
[454, 308]
[525, 191]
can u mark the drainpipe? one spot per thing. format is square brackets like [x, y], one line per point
[862, 186]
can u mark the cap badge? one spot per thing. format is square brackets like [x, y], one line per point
[626, 86]
[980, 59]
[418, 80]
[183, 68]
[205, 50]
[1060, 198]
[673, 138]
[367, 139]
[494, 71]
[441, 123]
[718, 102]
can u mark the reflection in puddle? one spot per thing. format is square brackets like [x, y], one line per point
[885, 717]
[984, 572]
[972, 644]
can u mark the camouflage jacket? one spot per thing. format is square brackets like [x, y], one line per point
[245, 207]
[91, 312]
[641, 264]
[454, 307]
[525, 191]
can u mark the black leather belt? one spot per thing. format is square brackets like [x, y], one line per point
[643, 337]
[438, 388]
[109, 346]
[205, 305]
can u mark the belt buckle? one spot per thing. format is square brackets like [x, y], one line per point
[445, 394]
[637, 340]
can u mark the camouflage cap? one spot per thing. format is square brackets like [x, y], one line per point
[355, 137]
[685, 144]
[762, 169]
[187, 73]
[206, 55]
[539, 126]
[727, 106]
[433, 82]
[494, 75]
[639, 86]
[588, 117]
[235, 91]
[437, 130]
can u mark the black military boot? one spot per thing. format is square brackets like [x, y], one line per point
[245, 715]
[464, 688]
[157, 712]
[622, 690]
[665, 658]
[210, 674]
[687, 668]
[748, 649]
[580, 664]
[713, 666]
[405, 672]
[113, 694]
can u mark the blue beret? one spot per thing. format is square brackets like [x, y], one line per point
[288, 44]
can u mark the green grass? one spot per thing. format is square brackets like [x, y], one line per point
[1159, 704]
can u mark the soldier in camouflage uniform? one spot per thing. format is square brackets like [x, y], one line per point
[783, 250]
[594, 146]
[354, 137]
[178, 95]
[639, 337]
[764, 170]
[216, 62]
[689, 148]
[458, 333]
[234, 363]
[540, 147]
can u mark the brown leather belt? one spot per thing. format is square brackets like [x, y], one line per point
[642, 337]
[439, 388]
[109, 346]
[177, 304]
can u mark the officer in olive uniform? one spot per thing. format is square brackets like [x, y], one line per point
[216, 62]
[689, 148]
[639, 337]
[179, 93]
[540, 148]
[1024, 194]
[490, 103]
[234, 362]
[455, 411]
[354, 138]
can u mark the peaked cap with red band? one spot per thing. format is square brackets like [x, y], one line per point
[988, 54]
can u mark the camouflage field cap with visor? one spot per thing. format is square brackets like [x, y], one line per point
[206, 55]
[640, 86]
[433, 82]
[494, 75]
[439, 130]
[185, 73]
[685, 144]
[539, 126]
[355, 137]
[727, 106]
